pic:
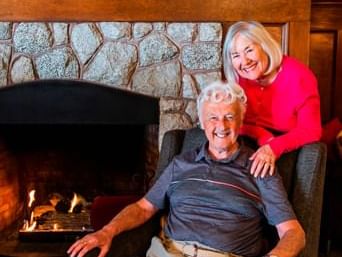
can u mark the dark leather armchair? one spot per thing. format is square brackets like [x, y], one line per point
[303, 172]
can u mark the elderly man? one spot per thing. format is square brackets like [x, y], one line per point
[216, 208]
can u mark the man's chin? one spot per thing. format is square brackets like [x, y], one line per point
[221, 148]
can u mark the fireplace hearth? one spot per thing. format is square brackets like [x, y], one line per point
[65, 137]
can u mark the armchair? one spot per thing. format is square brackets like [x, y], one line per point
[303, 172]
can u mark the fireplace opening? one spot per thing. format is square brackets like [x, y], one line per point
[50, 145]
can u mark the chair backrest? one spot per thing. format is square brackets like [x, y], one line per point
[303, 173]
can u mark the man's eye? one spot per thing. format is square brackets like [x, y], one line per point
[234, 56]
[229, 117]
[249, 50]
[212, 118]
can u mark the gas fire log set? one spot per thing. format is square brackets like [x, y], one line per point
[60, 219]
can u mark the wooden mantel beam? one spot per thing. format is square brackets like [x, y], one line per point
[154, 10]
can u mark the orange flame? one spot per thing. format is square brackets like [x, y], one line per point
[75, 200]
[32, 198]
[30, 225]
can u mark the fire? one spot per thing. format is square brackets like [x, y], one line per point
[32, 215]
[32, 198]
[30, 225]
[74, 202]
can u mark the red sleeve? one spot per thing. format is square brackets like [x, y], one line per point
[258, 133]
[308, 128]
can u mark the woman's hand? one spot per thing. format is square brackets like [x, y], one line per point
[263, 161]
[101, 239]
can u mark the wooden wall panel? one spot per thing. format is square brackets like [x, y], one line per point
[280, 33]
[299, 40]
[338, 74]
[322, 63]
[326, 55]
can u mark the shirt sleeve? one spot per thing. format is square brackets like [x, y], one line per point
[308, 127]
[157, 194]
[277, 207]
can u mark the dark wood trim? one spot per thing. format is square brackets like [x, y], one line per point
[325, 16]
[154, 10]
[299, 41]
[338, 76]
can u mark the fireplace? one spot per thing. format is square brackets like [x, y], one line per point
[61, 137]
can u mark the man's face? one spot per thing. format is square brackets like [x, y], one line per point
[221, 123]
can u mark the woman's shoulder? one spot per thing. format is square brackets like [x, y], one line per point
[294, 65]
[295, 69]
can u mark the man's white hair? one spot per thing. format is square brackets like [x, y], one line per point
[219, 91]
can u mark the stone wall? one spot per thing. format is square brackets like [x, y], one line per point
[173, 61]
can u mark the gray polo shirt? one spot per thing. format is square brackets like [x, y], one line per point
[218, 203]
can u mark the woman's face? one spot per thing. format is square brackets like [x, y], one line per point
[248, 58]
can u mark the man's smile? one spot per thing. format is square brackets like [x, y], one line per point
[222, 134]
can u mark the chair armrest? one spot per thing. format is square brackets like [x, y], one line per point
[307, 195]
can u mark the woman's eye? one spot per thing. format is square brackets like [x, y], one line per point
[234, 56]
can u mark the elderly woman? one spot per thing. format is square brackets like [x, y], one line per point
[283, 111]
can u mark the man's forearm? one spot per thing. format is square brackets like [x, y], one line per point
[130, 217]
[290, 244]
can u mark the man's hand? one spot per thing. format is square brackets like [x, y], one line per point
[130, 217]
[101, 239]
[263, 161]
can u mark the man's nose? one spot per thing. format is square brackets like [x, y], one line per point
[222, 124]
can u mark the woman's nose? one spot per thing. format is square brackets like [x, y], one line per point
[244, 60]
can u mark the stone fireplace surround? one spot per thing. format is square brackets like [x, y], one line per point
[84, 121]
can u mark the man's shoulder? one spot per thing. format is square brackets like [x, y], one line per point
[187, 156]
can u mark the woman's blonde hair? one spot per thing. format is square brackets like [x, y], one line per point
[257, 33]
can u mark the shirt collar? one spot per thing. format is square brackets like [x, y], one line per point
[240, 157]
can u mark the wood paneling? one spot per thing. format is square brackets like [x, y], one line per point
[154, 10]
[338, 74]
[322, 63]
[299, 40]
[326, 55]
[326, 16]
[280, 33]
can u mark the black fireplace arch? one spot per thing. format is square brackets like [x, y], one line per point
[75, 102]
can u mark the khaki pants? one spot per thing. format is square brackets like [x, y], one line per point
[172, 248]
